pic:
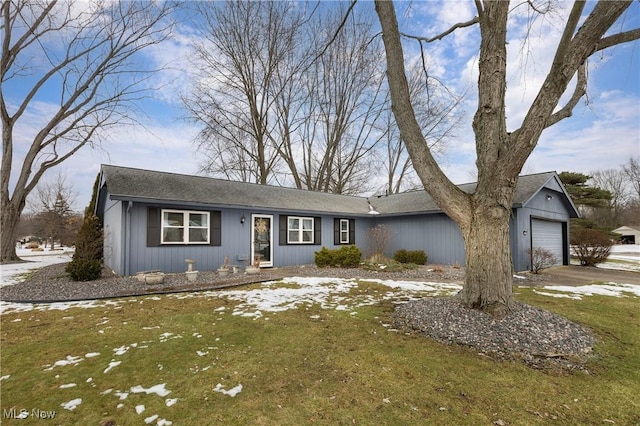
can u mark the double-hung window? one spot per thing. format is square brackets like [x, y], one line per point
[344, 231]
[300, 230]
[185, 227]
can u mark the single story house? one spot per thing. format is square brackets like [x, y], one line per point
[155, 220]
[629, 234]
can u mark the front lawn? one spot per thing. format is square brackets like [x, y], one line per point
[328, 358]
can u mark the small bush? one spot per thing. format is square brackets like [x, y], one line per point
[346, 257]
[541, 258]
[323, 257]
[84, 269]
[591, 246]
[400, 256]
[417, 257]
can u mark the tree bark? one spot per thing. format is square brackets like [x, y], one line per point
[9, 220]
[489, 271]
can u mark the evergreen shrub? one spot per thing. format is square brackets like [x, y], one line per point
[346, 257]
[418, 257]
[86, 264]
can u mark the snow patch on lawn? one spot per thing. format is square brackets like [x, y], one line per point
[71, 405]
[159, 390]
[609, 289]
[231, 392]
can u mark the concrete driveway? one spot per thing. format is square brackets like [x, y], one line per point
[581, 275]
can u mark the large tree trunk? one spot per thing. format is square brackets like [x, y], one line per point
[489, 277]
[9, 220]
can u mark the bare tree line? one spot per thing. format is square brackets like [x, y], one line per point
[623, 184]
[285, 98]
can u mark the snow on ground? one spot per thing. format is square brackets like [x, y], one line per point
[257, 303]
[624, 257]
[610, 289]
[13, 273]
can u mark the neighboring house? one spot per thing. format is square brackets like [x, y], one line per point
[155, 220]
[629, 234]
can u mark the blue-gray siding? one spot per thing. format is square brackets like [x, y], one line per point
[236, 242]
[436, 234]
[126, 250]
[540, 207]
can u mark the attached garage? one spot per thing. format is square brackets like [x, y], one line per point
[549, 235]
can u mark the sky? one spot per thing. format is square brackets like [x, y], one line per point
[603, 133]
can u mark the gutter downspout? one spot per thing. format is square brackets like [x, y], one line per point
[127, 239]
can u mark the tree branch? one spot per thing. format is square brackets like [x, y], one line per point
[619, 38]
[444, 34]
[578, 93]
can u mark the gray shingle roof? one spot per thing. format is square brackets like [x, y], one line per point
[421, 201]
[152, 186]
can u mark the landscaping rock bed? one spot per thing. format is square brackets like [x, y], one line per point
[538, 337]
[52, 283]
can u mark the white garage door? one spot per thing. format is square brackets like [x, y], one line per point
[548, 235]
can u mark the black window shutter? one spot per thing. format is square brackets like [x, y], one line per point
[336, 231]
[352, 231]
[154, 227]
[317, 231]
[283, 230]
[215, 238]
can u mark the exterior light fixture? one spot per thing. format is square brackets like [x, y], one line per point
[242, 219]
[524, 232]
[549, 197]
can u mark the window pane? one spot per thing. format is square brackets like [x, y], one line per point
[173, 219]
[344, 225]
[307, 223]
[307, 236]
[293, 236]
[294, 223]
[197, 219]
[198, 235]
[172, 235]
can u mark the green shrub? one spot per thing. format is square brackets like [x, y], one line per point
[84, 269]
[591, 246]
[345, 256]
[418, 257]
[348, 256]
[323, 257]
[400, 256]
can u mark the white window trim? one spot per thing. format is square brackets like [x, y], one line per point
[344, 233]
[185, 227]
[300, 230]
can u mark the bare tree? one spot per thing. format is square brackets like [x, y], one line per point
[244, 66]
[53, 209]
[631, 169]
[483, 216]
[345, 102]
[435, 109]
[83, 58]
[614, 181]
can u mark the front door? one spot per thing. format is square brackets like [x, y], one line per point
[261, 238]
